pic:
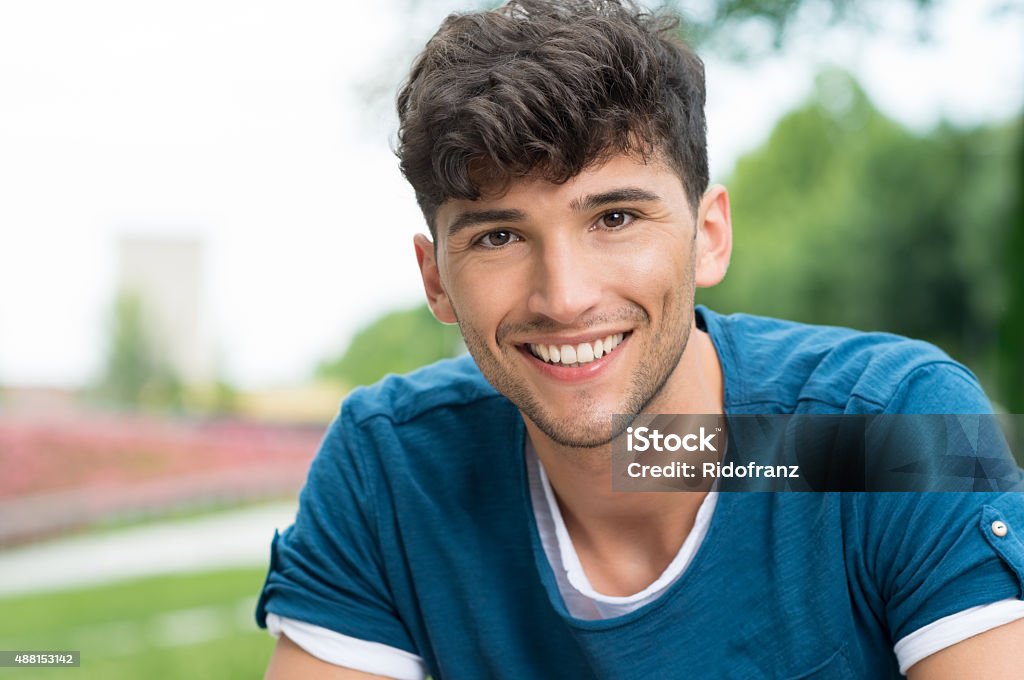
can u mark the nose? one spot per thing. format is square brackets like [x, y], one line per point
[566, 282]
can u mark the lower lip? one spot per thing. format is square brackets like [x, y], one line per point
[578, 374]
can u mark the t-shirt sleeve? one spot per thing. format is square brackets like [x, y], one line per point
[935, 554]
[327, 568]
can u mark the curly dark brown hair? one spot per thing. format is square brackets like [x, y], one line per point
[548, 88]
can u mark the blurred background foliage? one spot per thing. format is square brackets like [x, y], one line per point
[844, 217]
[397, 342]
[740, 29]
[136, 372]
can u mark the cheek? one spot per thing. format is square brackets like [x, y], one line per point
[652, 270]
[483, 295]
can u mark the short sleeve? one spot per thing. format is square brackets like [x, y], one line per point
[935, 554]
[932, 554]
[327, 569]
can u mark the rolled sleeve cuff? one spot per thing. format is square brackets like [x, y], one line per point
[349, 652]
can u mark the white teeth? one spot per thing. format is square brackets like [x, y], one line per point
[574, 355]
[612, 341]
[584, 353]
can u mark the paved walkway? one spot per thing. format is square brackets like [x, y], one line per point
[238, 538]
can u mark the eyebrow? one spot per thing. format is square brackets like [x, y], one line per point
[625, 194]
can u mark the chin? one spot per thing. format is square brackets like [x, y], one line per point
[577, 433]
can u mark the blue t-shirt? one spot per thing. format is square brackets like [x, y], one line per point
[415, 530]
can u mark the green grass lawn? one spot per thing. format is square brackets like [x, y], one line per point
[183, 626]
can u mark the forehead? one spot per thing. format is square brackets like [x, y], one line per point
[535, 196]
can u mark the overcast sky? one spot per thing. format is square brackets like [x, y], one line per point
[245, 124]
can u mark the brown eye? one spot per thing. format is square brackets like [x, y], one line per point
[615, 220]
[496, 239]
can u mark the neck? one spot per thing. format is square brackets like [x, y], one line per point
[607, 524]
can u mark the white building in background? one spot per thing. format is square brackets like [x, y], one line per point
[166, 275]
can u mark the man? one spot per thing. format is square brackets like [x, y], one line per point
[460, 521]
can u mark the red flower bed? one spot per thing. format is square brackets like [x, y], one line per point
[38, 455]
[63, 472]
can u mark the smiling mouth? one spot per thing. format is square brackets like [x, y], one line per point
[579, 354]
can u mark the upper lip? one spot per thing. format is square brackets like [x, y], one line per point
[589, 336]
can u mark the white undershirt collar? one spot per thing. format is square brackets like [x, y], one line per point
[581, 599]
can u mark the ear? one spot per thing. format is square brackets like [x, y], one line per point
[714, 237]
[437, 298]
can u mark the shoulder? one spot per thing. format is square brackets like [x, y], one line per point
[401, 399]
[794, 366]
[421, 423]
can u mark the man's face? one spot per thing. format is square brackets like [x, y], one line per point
[575, 300]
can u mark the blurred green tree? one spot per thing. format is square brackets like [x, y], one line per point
[136, 374]
[396, 342]
[1010, 345]
[996, 350]
[766, 25]
[844, 217]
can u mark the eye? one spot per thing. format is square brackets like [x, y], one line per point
[497, 239]
[616, 219]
